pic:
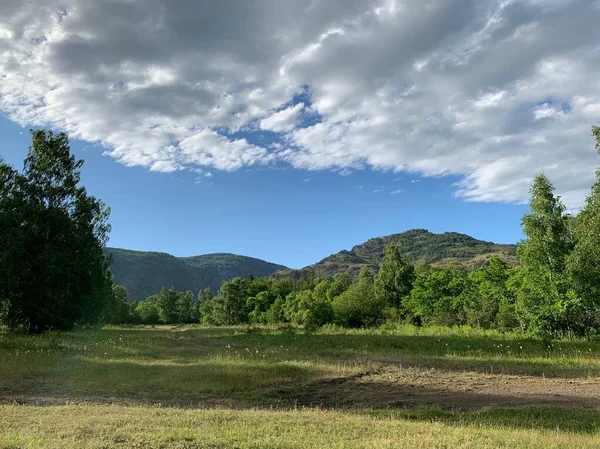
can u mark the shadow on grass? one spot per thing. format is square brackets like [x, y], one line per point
[565, 420]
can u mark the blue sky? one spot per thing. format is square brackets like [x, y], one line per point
[280, 129]
[276, 215]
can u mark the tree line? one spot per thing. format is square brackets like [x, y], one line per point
[54, 274]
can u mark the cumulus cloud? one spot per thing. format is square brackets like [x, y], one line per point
[284, 120]
[493, 91]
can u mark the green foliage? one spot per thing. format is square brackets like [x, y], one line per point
[275, 314]
[147, 311]
[395, 277]
[166, 303]
[437, 296]
[307, 308]
[54, 273]
[187, 310]
[230, 305]
[341, 283]
[259, 305]
[487, 291]
[358, 306]
[543, 255]
[583, 264]
[120, 311]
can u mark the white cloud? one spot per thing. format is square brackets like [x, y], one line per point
[396, 192]
[284, 120]
[307, 180]
[493, 92]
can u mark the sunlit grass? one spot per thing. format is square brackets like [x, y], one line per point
[95, 426]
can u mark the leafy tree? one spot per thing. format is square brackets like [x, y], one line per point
[358, 306]
[394, 281]
[166, 303]
[204, 296]
[259, 306]
[583, 264]
[54, 271]
[120, 312]
[147, 310]
[543, 254]
[341, 283]
[187, 310]
[307, 309]
[275, 314]
[488, 290]
[437, 296]
[230, 305]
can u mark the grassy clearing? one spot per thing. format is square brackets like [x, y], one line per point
[234, 387]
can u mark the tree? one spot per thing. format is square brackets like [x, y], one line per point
[205, 297]
[358, 306]
[120, 305]
[307, 309]
[54, 271]
[187, 311]
[437, 296]
[230, 305]
[147, 310]
[487, 293]
[583, 264]
[543, 254]
[341, 283]
[166, 303]
[394, 281]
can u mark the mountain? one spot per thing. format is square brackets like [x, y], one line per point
[145, 273]
[418, 246]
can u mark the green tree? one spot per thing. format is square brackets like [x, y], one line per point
[120, 306]
[543, 254]
[166, 303]
[583, 264]
[204, 296]
[147, 310]
[54, 271]
[487, 293]
[437, 296]
[259, 305]
[307, 309]
[230, 305]
[341, 283]
[187, 311]
[395, 277]
[275, 314]
[358, 306]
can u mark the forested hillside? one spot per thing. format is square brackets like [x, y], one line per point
[418, 246]
[145, 273]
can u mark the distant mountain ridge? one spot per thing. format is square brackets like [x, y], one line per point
[144, 273]
[418, 246]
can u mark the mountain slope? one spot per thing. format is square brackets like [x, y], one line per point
[145, 273]
[418, 246]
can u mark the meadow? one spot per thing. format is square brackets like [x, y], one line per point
[238, 387]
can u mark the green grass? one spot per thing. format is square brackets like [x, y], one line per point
[238, 387]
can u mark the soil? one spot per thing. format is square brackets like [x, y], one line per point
[395, 387]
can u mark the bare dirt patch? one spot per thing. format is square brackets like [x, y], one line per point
[394, 387]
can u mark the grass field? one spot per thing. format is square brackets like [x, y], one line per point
[198, 387]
